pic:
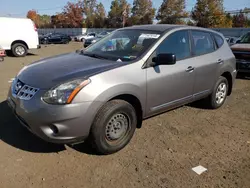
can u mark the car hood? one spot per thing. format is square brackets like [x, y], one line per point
[49, 72]
[241, 47]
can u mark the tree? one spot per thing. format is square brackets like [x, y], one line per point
[209, 13]
[142, 12]
[100, 16]
[228, 21]
[172, 12]
[72, 15]
[44, 21]
[240, 20]
[118, 14]
[89, 9]
[32, 14]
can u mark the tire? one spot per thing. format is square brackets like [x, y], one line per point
[113, 127]
[66, 42]
[45, 42]
[19, 50]
[216, 102]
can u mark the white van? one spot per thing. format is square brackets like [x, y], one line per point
[18, 35]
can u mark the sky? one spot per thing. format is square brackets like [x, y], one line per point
[50, 7]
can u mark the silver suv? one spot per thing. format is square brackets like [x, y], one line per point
[103, 93]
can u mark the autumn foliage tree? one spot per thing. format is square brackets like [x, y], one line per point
[172, 12]
[32, 14]
[239, 20]
[142, 12]
[209, 13]
[72, 15]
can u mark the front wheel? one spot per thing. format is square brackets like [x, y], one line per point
[219, 94]
[113, 127]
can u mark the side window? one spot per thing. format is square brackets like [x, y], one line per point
[219, 40]
[203, 42]
[177, 43]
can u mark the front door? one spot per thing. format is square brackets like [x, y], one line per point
[169, 86]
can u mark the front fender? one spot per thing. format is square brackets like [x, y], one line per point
[103, 95]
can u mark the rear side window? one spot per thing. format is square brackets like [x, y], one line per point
[219, 40]
[203, 43]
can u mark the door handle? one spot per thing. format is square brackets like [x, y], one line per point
[190, 69]
[220, 61]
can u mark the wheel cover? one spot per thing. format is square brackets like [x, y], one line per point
[221, 93]
[20, 50]
[117, 127]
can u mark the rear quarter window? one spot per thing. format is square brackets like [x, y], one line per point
[218, 40]
[203, 42]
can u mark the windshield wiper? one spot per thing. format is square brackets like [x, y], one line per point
[95, 56]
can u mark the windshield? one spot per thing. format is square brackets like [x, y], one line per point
[245, 38]
[123, 45]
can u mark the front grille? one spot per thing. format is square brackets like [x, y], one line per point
[23, 91]
[27, 92]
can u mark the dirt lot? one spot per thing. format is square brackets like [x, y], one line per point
[161, 154]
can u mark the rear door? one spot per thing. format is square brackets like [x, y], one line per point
[206, 62]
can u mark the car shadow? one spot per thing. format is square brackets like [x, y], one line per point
[84, 147]
[14, 134]
[242, 76]
[200, 104]
[9, 54]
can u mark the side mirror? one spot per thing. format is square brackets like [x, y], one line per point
[164, 59]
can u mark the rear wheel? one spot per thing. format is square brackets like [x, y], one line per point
[113, 127]
[19, 50]
[219, 94]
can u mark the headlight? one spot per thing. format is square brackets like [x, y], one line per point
[93, 41]
[65, 93]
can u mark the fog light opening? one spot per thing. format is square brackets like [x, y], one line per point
[54, 129]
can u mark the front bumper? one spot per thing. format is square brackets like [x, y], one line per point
[243, 66]
[62, 124]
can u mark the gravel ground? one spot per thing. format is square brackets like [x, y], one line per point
[161, 154]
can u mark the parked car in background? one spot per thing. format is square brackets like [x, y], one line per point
[103, 34]
[231, 40]
[82, 38]
[18, 35]
[90, 41]
[55, 38]
[105, 91]
[2, 54]
[241, 51]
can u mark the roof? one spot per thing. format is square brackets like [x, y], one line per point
[167, 27]
[157, 27]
